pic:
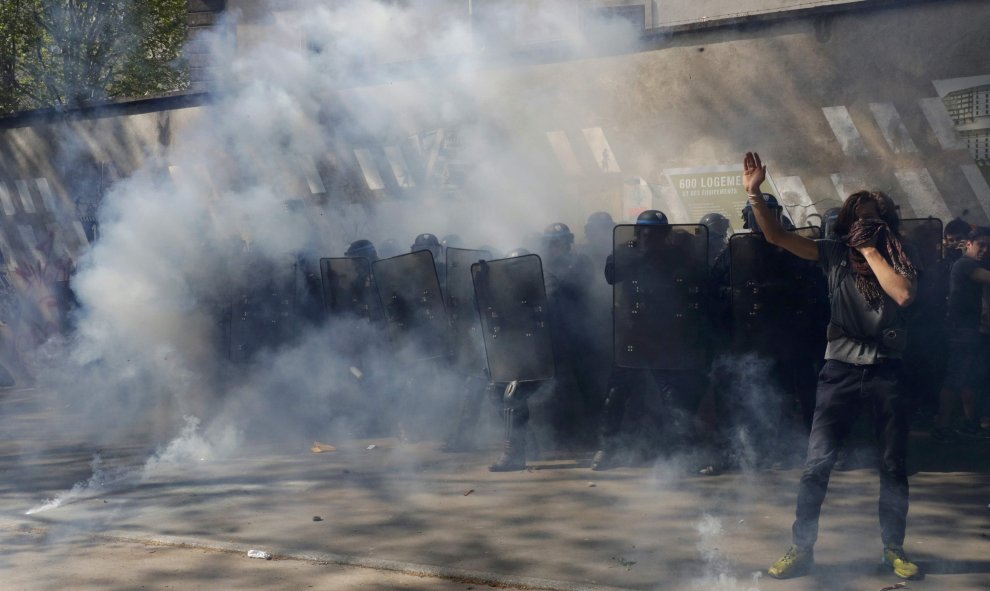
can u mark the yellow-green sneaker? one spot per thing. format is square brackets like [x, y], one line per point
[795, 562]
[894, 557]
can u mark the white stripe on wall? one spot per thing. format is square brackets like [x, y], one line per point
[942, 124]
[978, 183]
[600, 149]
[370, 170]
[399, 168]
[892, 128]
[845, 131]
[27, 202]
[312, 174]
[6, 201]
[565, 153]
[921, 192]
[47, 197]
[847, 183]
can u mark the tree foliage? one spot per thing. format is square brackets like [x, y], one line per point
[64, 53]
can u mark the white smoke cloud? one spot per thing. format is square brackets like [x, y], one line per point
[717, 574]
[208, 218]
[187, 448]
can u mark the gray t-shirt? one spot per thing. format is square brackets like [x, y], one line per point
[860, 329]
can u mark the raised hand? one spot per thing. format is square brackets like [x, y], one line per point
[754, 173]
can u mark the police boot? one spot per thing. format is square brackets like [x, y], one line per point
[513, 456]
[611, 423]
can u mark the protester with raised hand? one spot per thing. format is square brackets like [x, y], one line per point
[871, 279]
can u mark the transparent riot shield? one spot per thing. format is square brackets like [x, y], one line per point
[349, 288]
[413, 304]
[659, 296]
[512, 303]
[777, 299]
[466, 343]
[923, 236]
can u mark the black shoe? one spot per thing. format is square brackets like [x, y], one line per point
[509, 462]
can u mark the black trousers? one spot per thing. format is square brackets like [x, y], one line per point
[680, 391]
[844, 390]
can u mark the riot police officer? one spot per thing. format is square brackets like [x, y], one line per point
[598, 235]
[774, 309]
[431, 243]
[568, 277]
[363, 249]
[512, 299]
[718, 233]
[829, 218]
[659, 327]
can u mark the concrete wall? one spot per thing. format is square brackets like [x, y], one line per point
[833, 102]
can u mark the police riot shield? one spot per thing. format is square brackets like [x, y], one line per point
[462, 314]
[777, 299]
[659, 296]
[349, 288]
[413, 304]
[262, 317]
[512, 303]
[923, 237]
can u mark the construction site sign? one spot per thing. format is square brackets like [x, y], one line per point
[711, 189]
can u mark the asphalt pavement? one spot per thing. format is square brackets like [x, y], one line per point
[399, 513]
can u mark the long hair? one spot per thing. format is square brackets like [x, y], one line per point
[882, 232]
[885, 207]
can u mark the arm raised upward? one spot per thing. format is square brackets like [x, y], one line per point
[754, 173]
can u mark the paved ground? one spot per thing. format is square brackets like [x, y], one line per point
[397, 510]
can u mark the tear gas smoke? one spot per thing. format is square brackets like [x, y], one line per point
[717, 566]
[188, 447]
[210, 218]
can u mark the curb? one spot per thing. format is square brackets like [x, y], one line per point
[460, 575]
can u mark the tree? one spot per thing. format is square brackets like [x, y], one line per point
[64, 53]
[17, 33]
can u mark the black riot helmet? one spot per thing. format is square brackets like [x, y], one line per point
[362, 249]
[652, 217]
[428, 242]
[557, 240]
[829, 218]
[651, 229]
[599, 223]
[558, 231]
[424, 242]
[749, 217]
[717, 224]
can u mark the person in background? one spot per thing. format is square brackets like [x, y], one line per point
[927, 353]
[965, 370]
[568, 278]
[719, 230]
